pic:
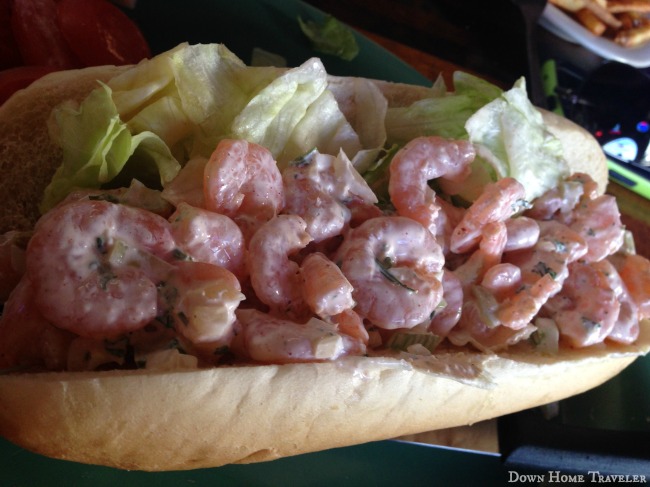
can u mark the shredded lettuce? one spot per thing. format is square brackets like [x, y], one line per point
[97, 146]
[295, 113]
[444, 113]
[180, 104]
[510, 134]
[149, 121]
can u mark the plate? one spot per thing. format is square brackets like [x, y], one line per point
[272, 26]
[559, 23]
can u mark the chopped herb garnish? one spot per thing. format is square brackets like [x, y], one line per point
[559, 246]
[590, 324]
[100, 243]
[178, 254]
[521, 205]
[542, 269]
[384, 267]
[183, 317]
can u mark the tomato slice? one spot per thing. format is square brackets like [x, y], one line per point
[100, 33]
[14, 79]
[9, 54]
[38, 36]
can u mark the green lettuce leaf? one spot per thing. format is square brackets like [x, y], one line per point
[444, 113]
[150, 120]
[510, 134]
[96, 146]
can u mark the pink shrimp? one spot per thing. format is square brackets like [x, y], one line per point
[326, 290]
[492, 243]
[558, 203]
[418, 162]
[274, 276]
[201, 300]
[447, 317]
[576, 203]
[599, 222]
[634, 270]
[329, 294]
[522, 233]
[586, 310]
[498, 202]
[242, 181]
[206, 236]
[270, 339]
[626, 329]
[394, 265]
[95, 266]
[323, 190]
[27, 338]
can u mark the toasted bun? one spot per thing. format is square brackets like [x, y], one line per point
[142, 420]
[186, 419]
[27, 153]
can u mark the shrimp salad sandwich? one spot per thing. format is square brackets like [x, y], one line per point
[207, 263]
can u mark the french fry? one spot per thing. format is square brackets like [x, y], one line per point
[625, 22]
[633, 37]
[591, 22]
[637, 6]
[603, 14]
[569, 5]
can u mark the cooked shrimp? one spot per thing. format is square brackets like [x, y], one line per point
[420, 161]
[634, 269]
[626, 329]
[270, 339]
[474, 329]
[587, 308]
[558, 203]
[322, 189]
[512, 293]
[206, 236]
[522, 233]
[492, 243]
[555, 249]
[242, 181]
[201, 300]
[274, 276]
[576, 203]
[95, 266]
[447, 317]
[394, 265]
[27, 338]
[325, 288]
[498, 202]
[599, 222]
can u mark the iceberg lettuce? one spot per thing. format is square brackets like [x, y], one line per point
[510, 135]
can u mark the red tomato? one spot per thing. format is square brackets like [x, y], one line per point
[100, 33]
[38, 36]
[13, 79]
[9, 54]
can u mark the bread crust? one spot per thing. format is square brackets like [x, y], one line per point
[178, 420]
[26, 151]
[158, 421]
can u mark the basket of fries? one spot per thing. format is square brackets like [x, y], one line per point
[625, 22]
